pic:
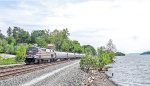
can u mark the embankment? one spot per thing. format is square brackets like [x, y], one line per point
[96, 78]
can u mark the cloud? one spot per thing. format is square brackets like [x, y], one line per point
[90, 21]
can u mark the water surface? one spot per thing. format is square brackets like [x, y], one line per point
[131, 70]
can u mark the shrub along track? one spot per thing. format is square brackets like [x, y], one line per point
[12, 71]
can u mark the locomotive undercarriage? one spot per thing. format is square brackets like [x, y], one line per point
[30, 60]
[38, 61]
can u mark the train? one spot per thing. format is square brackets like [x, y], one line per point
[37, 55]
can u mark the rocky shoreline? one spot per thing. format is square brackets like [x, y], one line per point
[96, 78]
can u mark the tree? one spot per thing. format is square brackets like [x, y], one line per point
[9, 49]
[57, 37]
[41, 42]
[21, 36]
[15, 32]
[3, 44]
[88, 49]
[1, 35]
[76, 47]
[65, 33]
[66, 45]
[47, 36]
[110, 46]
[9, 31]
[24, 37]
[38, 33]
[11, 40]
[101, 50]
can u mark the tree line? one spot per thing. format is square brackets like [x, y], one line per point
[18, 37]
[18, 40]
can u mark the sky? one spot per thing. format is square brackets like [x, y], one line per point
[93, 22]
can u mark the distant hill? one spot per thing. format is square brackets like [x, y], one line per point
[133, 53]
[119, 54]
[145, 53]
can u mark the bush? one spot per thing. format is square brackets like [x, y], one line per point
[89, 62]
[10, 49]
[104, 58]
[1, 49]
[21, 53]
[3, 44]
[11, 40]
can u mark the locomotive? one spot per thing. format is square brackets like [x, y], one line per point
[36, 55]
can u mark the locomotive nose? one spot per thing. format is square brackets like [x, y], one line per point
[31, 54]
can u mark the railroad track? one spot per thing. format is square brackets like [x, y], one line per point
[15, 71]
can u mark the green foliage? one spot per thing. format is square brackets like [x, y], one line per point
[66, 45]
[24, 37]
[57, 37]
[97, 62]
[1, 49]
[6, 61]
[29, 45]
[7, 48]
[89, 50]
[21, 53]
[38, 33]
[88, 62]
[11, 40]
[3, 44]
[1, 35]
[10, 49]
[15, 32]
[9, 31]
[101, 50]
[21, 36]
[60, 38]
[104, 57]
[77, 47]
[41, 42]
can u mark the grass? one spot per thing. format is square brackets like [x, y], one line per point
[7, 61]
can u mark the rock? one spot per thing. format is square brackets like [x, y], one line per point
[92, 78]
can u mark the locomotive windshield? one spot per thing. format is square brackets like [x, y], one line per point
[32, 50]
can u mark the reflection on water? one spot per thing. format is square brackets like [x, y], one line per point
[131, 70]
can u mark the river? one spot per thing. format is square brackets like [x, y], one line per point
[131, 70]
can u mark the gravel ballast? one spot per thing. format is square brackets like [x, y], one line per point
[70, 76]
[21, 79]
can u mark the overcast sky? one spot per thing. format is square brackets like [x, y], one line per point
[94, 22]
